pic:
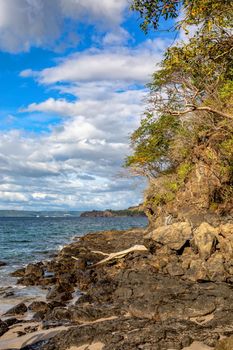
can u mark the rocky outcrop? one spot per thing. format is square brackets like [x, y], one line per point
[198, 254]
[203, 195]
[153, 299]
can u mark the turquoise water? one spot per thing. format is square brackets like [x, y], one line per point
[24, 240]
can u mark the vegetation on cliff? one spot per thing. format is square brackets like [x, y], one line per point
[184, 144]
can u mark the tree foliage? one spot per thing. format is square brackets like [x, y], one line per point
[197, 12]
[190, 108]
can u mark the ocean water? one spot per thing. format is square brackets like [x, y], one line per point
[24, 240]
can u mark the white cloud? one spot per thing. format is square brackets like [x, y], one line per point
[110, 11]
[26, 23]
[63, 170]
[116, 37]
[119, 64]
[82, 156]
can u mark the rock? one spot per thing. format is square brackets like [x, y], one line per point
[187, 257]
[37, 306]
[175, 269]
[225, 344]
[84, 298]
[215, 268]
[9, 294]
[58, 314]
[205, 238]
[226, 230]
[39, 316]
[3, 327]
[200, 307]
[2, 263]
[225, 239]
[35, 270]
[59, 293]
[174, 236]
[197, 271]
[18, 273]
[11, 321]
[19, 309]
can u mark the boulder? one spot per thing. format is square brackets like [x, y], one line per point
[197, 271]
[19, 309]
[174, 236]
[2, 263]
[225, 239]
[205, 238]
[59, 293]
[58, 314]
[37, 306]
[215, 267]
[35, 270]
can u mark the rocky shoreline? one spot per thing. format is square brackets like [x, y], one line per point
[171, 289]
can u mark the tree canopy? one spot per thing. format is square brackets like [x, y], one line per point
[189, 115]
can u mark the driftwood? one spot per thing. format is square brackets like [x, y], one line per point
[118, 255]
[121, 254]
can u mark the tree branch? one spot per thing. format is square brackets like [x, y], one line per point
[204, 108]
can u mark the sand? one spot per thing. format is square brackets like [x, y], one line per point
[10, 340]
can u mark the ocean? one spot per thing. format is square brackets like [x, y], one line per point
[25, 240]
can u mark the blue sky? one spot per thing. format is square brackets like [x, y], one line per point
[72, 89]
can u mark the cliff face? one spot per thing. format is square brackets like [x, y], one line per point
[206, 195]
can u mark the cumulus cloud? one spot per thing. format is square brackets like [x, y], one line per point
[62, 170]
[118, 64]
[75, 164]
[82, 155]
[26, 23]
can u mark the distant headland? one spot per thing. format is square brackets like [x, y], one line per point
[132, 211]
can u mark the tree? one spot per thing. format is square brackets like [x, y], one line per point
[197, 12]
[188, 123]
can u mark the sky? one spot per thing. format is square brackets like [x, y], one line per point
[73, 77]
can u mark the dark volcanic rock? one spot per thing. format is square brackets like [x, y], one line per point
[35, 270]
[19, 309]
[164, 298]
[3, 327]
[58, 314]
[60, 293]
[2, 263]
[11, 321]
[37, 306]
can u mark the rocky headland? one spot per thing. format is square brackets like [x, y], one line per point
[156, 289]
[134, 211]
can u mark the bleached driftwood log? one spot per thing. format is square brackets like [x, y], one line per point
[121, 254]
[118, 255]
